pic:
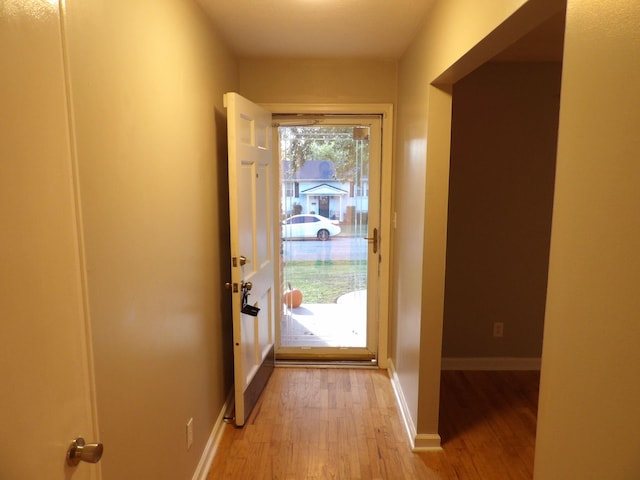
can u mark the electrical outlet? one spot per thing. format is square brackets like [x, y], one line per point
[189, 433]
[498, 329]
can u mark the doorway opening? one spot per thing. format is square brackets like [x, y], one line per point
[502, 143]
[330, 219]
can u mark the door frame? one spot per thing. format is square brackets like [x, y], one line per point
[385, 110]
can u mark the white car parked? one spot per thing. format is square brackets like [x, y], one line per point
[309, 226]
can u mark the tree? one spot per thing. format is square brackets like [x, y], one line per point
[347, 147]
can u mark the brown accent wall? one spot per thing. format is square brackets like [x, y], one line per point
[503, 151]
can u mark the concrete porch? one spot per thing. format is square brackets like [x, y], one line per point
[340, 324]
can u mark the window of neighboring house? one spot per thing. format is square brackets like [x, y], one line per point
[290, 189]
[362, 190]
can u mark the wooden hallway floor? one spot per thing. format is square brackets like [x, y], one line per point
[321, 423]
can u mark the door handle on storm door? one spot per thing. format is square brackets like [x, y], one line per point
[373, 240]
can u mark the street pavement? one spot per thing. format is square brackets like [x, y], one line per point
[336, 248]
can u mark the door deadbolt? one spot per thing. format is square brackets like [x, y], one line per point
[79, 451]
[242, 261]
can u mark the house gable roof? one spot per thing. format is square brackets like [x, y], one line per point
[324, 189]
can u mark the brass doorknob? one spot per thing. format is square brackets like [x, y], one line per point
[79, 451]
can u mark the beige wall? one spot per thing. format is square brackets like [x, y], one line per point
[503, 152]
[458, 37]
[318, 81]
[589, 414]
[147, 81]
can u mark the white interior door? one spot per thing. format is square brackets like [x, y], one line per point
[46, 398]
[251, 210]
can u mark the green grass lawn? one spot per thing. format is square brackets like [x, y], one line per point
[325, 281]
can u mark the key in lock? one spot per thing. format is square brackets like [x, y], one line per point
[246, 308]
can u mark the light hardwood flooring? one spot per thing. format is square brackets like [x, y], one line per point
[487, 425]
[321, 423]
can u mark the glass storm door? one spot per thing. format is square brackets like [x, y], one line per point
[330, 210]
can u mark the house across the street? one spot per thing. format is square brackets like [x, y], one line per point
[314, 188]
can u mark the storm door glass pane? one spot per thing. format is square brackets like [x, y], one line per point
[324, 177]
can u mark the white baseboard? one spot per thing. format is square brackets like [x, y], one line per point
[491, 363]
[419, 442]
[204, 465]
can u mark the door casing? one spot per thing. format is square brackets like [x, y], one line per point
[386, 208]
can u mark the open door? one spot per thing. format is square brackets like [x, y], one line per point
[251, 210]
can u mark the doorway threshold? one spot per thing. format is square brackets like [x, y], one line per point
[327, 363]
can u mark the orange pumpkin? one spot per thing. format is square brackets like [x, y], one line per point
[292, 298]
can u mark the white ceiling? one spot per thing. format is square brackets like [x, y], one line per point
[318, 28]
